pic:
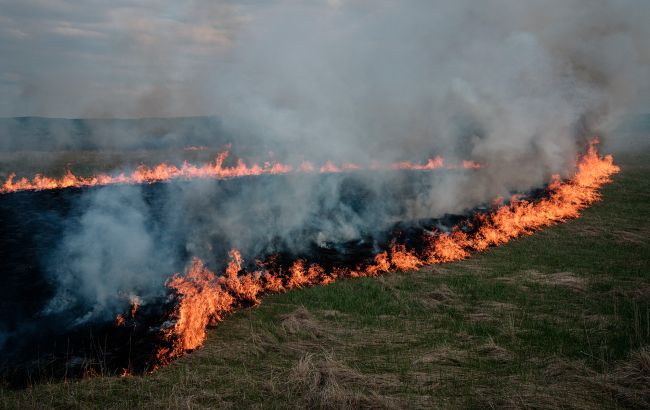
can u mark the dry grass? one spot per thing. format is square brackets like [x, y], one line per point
[442, 295]
[565, 280]
[302, 322]
[321, 381]
[629, 382]
[495, 352]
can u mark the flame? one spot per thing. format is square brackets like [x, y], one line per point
[329, 167]
[135, 303]
[402, 259]
[215, 170]
[205, 298]
[145, 175]
[119, 320]
[204, 301]
[434, 163]
[471, 164]
[307, 166]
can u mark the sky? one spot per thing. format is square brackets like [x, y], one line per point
[125, 58]
[93, 58]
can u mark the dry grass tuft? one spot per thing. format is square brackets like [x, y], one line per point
[562, 279]
[495, 352]
[323, 382]
[442, 295]
[302, 322]
[630, 380]
[444, 356]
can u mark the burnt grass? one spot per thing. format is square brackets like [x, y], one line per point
[46, 346]
[559, 319]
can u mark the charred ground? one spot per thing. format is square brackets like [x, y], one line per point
[48, 345]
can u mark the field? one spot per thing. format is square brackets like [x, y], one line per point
[555, 320]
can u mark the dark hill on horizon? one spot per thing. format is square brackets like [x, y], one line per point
[59, 134]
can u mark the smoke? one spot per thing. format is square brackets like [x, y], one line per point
[111, 253]
[518, 86]
[510, 84]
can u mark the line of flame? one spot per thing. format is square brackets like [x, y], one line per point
[215, 170]
[205, 298]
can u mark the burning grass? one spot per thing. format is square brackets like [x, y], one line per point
[205, 298]
[216, 169]
[410, 337]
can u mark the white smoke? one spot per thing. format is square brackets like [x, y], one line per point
[108, 255]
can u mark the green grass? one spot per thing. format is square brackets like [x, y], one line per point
[553, 320]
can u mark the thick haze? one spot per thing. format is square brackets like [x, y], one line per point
[518, 86]
[339, 78]
[69, 58]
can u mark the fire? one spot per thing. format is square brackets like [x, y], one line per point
[329, 167]
[145, 175]
[119, 320]
[135, 303]
[204, 298]
[204, 301]
[471, 164]
[402, 259]
[307, 166]
[215, 170]
[435, 163]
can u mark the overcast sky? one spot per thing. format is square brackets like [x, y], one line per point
[87, 58]
[127, 58]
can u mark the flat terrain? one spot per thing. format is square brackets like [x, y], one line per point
[560, 319]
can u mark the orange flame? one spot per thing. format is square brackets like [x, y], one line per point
[119, 320]
[215, 170]
[204, 298]
[145, 175]
[435, 163]
[329, 167]
[135, 303]
[471, 164]
[307, 166]
[204, 301]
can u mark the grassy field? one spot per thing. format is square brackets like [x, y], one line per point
[560, 319]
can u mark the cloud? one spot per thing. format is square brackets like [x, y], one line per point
[87, 58]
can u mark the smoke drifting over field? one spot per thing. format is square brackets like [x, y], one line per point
[518, 86]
